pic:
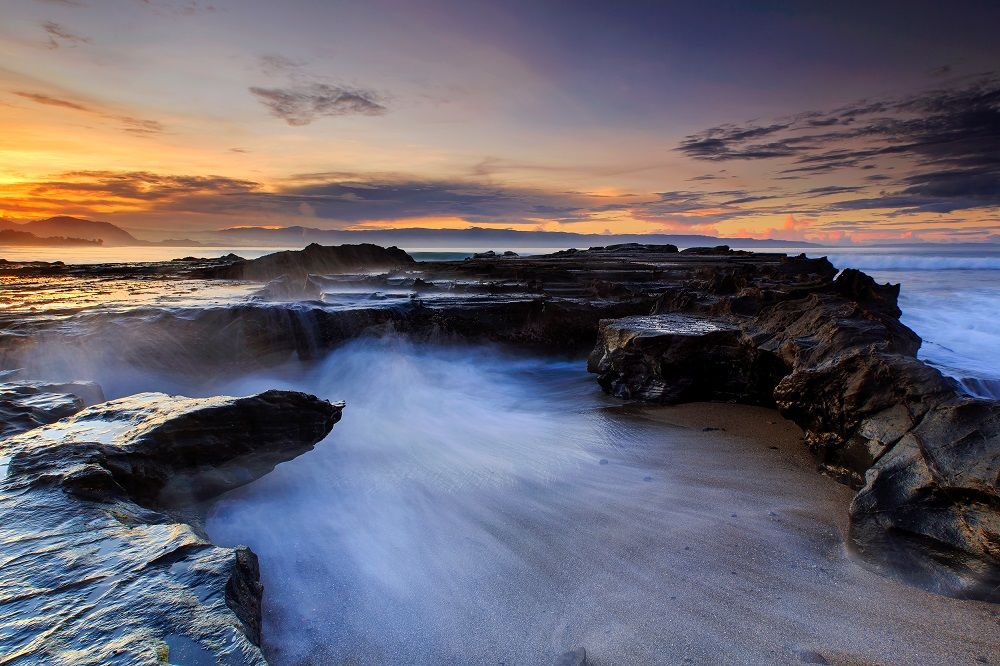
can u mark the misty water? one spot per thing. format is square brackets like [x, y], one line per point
[480, 506]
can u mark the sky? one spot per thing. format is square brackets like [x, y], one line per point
[848, 122]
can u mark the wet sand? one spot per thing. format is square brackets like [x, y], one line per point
[494, 514]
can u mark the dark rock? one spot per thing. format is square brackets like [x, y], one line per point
[100, 528]
[314, 258]
[831, 354]
[672, 358]
[718, 249]
[828, 350]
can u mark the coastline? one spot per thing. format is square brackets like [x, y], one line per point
[709, 323]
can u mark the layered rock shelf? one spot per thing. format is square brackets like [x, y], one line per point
[103, 555]
[99, 511]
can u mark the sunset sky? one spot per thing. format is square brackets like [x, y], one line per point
[816, 121]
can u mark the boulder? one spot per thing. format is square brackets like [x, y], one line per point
[104, 557]
[671, 358]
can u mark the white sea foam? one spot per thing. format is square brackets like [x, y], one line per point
[478, 508]
[913, 262]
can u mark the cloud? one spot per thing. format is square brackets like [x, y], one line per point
[178, 7]
[60, 36]
[302, 104]
[137, 186]
[129, 124]
[49, 100]
[274, 64]
[831, 189]
[949, 140]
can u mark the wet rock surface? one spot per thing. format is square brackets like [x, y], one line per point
[103, 555]
[826, 349]
[831, 354]
[27, 404]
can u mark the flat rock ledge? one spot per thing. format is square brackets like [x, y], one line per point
[834, 358]
[104, 557]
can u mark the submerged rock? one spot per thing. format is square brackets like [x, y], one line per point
[103, 555]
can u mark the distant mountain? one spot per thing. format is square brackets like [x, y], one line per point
[75, 227]
[475, 237]
[13, 238]
[78, 228]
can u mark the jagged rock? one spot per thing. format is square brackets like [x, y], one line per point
[104, 558]
[27, 404]
[929, 505]
[314, 258]
[834, 357]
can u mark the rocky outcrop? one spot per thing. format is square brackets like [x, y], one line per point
[827, 349]
[314, 259]
[831, 354]
[103, 555]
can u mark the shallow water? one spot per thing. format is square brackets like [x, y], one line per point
[475, 507]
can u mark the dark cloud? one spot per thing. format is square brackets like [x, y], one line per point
[302, 104]
[343, 198]
[937, 192]
[949, 139]
[377, 198]
[49, 100]
[960, 126]
[59, 35]
[139, 185]
[831, 189]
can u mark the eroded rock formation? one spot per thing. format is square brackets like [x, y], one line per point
[826, 349]
[322, 259]
[103, 556]
[831, 354]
